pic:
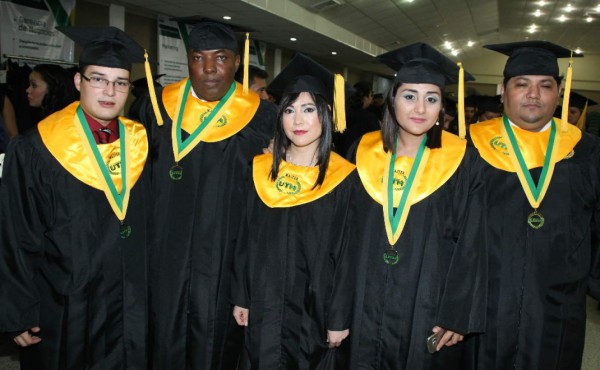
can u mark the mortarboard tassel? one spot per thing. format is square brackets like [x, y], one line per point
[246, 63]
[462, 128]
[339, 108]
[564, 117]
[581, 121]
[151, 91]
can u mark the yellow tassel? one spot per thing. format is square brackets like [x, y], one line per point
[339, 103]
[462, 127]
[246, 63]
[581, 121]
[152, 92]
[564, 117]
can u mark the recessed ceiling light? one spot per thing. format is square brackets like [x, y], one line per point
[537, 13]
[542, 3]
[470, 43]
[334, 53]
[226, 17]
[532, 28]
[292, 39]
[562, 18]
[589, 19]
[448, 45]
[578, 51]
[569, 8]
[454, 52]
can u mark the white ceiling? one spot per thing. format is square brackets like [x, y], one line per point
[360, 29]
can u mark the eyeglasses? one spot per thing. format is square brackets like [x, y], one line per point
[102, 83]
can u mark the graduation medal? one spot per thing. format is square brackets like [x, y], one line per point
[118, 200]
[182, 147]
[535, 193]
[395, 220]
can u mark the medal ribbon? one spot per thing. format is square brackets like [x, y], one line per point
[535, 193]
[395, 221]
[182, 148]
[118, 200]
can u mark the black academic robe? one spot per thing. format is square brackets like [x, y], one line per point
[65, 268]
[437, 280]
[297, 278]
[195, 225]
[538, 279]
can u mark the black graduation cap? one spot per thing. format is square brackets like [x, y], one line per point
[531, 57]
[450, 106]
[141, 85]
[105, 46]
[421, 63]
[489, 104]
[302, 74]
[209, 34]
[578, 101]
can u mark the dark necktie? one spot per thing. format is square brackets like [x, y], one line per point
[103, 135]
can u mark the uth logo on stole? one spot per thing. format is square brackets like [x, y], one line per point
[288, 184]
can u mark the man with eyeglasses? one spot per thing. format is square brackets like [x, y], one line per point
[73, 222]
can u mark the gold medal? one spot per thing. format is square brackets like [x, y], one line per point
[390, 256]
[535, 219]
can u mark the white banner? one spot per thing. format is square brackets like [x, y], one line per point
[27, 29]
[258, 50]
[172, 55]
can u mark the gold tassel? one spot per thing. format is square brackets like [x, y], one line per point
[462, 127]
[581, 120]
[246, 63]
[151, 91]
[564, 117]
[339, 103]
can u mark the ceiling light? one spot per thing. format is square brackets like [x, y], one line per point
[589, 19]
[334, 53]
[562, 18]
[542, 3]
[448, 45]
[598, 8]
[226, 17]
[569, 8]
[537, 13]
[454, 52]
[532, 28]
[578, 51]
[292, 39]
[470, 43]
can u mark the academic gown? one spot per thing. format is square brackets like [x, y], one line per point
[296, 278]
[63, 265]
[538, 279]
[196, 223]
[438, 278]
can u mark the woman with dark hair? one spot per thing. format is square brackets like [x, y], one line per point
[416, 221]
[292, 283]
[51, 88]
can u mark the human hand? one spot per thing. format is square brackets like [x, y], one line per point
[25, 339]
[335, 338]
[448, 338]
[241, 315]
[269, 148]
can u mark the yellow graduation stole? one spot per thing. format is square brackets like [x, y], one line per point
[294, 184]
[68, 138]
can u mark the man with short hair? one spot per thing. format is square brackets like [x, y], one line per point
[200, 159]
[257, 78]
[73, 222]
[543, 203]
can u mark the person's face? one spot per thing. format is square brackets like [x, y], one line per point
[469, 114]
[530, 101]
[574, 114]
[259, 85]
[488, 115]
[367, 100]
[417, 108]
[37, 89]
[212, 72]
[102, 104]
[301, 123]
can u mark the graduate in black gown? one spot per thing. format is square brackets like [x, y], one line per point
[543, 203]
[212, 129]
[73, 222]
[417, 221]
[294, 288]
